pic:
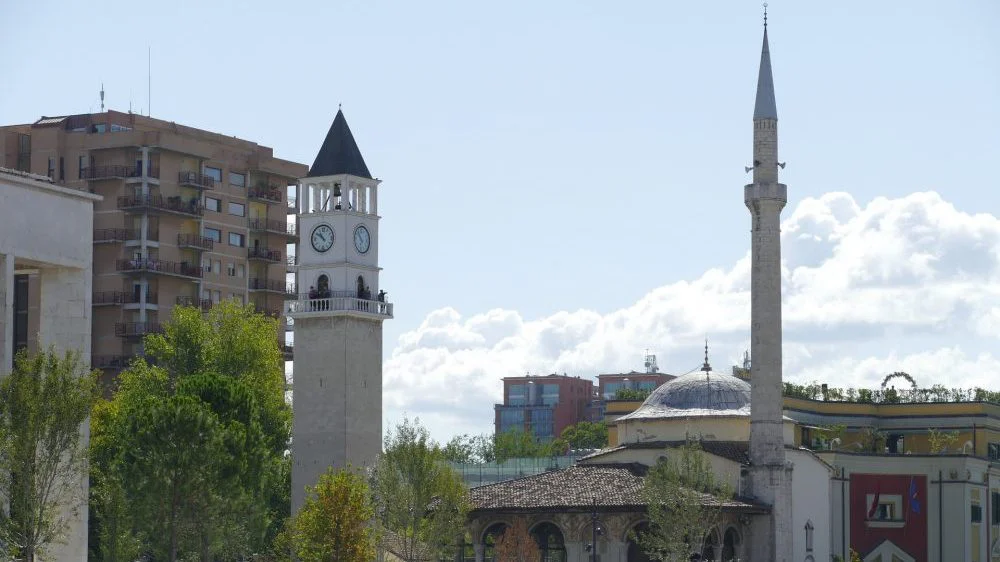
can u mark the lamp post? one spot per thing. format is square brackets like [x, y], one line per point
[595, 529]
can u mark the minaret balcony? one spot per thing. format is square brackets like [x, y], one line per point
[340, 303]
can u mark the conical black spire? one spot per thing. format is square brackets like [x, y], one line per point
[764, 106]
[339, 153]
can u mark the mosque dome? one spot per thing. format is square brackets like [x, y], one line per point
[696, 395]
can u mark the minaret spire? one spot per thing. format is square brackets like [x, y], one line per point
[765, 107]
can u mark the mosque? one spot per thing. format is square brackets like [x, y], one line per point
[796, 497]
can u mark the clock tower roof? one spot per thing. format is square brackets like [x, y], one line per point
[339, 153]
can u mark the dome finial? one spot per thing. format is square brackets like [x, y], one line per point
[706, 367]
[765, 14]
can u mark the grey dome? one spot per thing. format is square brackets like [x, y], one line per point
[696, 394]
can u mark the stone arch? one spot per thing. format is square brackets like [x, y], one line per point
[489, 535]
[711, 546]
[550, 540]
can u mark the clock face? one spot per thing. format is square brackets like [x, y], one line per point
[322, 238]
[362, 239]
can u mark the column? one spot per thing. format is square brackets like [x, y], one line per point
[374, 199]
[7, 310]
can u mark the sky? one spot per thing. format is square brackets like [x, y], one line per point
[563, 180]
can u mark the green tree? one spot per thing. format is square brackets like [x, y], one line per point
[513, 444]
[586, 435]
[335, 521]
[43, 403]
[939, 441]
[684, 503]
[419, 499]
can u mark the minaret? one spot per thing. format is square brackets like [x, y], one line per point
[765, 198]
[338, 315]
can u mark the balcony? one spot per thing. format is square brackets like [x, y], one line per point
[286, 350]
[266, 285]
[173, 205]
[290, 291]
[114, 363]
[204, 304]
[116, 298]
[264, 254]
[112, 172]
[272, 226]
[194, 241]
[108, 235]
[352, 306]
[265, 193]
[160, 267]
[137, 329]
[195, 180]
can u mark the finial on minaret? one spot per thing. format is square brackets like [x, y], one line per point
[339, 106]
[765, 14]
[706, 367]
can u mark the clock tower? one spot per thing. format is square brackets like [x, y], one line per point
[337, 390]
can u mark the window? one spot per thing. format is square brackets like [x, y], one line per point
[994, 451]
[217, 267]
[206, 265]
[214, 173]
[236, 239]
[237, 209]
[81, 165]
[550, 394]
[216, 297]
[213, 204]
[62, 169]
[52, 167]
[213, 234]
[206, 294]
[231, 269]
[517, 395]
[976, 513]
[995, 508]
[237, 180]
[809, 536]
[241, 271]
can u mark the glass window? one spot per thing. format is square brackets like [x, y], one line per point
[542, 422]
[231, 269]
[241, 271]
[977, 513]
[206, 264]
[237, 180]
[217, 267]
[517, 395]
[511, 418]
[550, 394]
[82, 165]
[213, 204]
[995, 507]
[236, 239]
[237, 209]
[214, 173]
[213, 234]
[216, 297]
[62, 169]
[52, 167]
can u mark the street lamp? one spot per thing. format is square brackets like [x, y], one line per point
[595, 530]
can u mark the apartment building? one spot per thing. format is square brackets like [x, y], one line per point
[188, 217]
[544, 405]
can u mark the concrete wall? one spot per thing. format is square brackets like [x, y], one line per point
[810, 503]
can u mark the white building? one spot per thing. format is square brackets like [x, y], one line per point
[46, 274]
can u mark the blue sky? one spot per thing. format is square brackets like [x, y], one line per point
[557, 159]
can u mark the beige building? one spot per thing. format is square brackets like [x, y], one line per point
[188, 217]
[45, 280]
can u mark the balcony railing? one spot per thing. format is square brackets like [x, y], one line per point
[152, 265]
[195, 241]
[111, 362]
[290, 291]
[137, 329]
[157, 203]
[264, 254]
[105, 298]
[266, 193]
[272, 226]
[105, 235]
[196, 180]
[268, 285]
[347, 304]
[112, 171]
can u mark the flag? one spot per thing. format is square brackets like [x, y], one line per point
[874, 508]
[912, 494]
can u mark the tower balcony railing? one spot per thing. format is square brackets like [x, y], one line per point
[266, 285]
[342, 303]
[137, 329]
[264, 254]
[290, 291]
[272, 226]
[157, 266]
[195, 241]
[265, 193]
[175, 205]
[195, 180]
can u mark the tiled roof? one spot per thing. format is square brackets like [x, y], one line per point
[616, 487]
[736, 451]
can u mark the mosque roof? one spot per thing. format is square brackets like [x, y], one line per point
[339, 153]
[705, 393]
[616, 487]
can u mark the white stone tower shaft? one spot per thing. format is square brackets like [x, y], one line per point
[765, 198]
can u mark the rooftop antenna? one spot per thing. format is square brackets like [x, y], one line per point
[102, 97]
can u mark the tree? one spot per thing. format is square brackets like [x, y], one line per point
[335, 521]
[43, 403]
[516, 544]
[514, 443]
[586, 435]
[419, 499]
[684, 502]
[939, 441]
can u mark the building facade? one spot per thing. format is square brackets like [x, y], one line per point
[45, 280]
[544, 405]
[338, 315]
[187, 217]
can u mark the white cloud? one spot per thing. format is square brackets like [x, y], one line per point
[898, 284]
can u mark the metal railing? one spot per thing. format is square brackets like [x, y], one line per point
[195, 241]
[115, 235]
[153, 265]
[374, 307]
[112, 362]
[122, 297]
[137, 329]
[111, 171]
[171, 204]
[264, 254]
[196, 180]
[273, 226]
[258, 284]
[270, 193]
